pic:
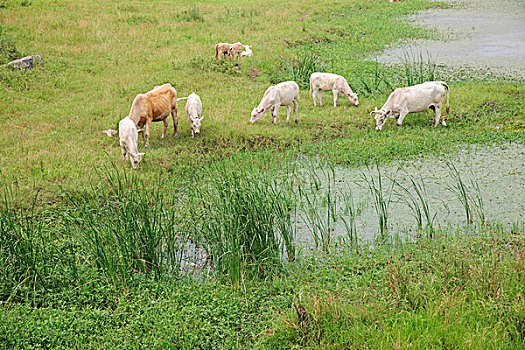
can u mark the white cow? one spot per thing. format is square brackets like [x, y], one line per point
[247, 51]
[320, 82]
[413, 99]
[282, 94]
[129, 138]
[194, 111]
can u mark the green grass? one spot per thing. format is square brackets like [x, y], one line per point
[98, 56]
[92, 253]
[462, 291]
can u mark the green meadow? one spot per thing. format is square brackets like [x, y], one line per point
[92, 252]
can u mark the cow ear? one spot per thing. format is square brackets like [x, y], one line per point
[388, 112]
[141, 154]
[262, 110]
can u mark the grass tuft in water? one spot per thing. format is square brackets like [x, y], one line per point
[417, 201]
[382, 198]
[244, 222]
[417, 69]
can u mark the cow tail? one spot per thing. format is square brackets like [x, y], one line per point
[217, 51]
[310, 86]
[448, 92]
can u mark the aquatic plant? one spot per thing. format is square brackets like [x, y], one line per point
[470, 198]
[243, 220]
[419, 205]
[417, 70]
[382, 198]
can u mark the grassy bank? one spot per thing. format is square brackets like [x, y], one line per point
[99, 55]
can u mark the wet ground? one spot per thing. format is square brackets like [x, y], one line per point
[482, 35]
[494, 174]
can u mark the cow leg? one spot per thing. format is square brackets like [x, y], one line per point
[165, 122]
[313, 95]
[437, 112]
[402, 115]
[320, 97]
[336, 96]
[146, 132]
[274, 114]
[175, 122]
[124, 151]
[296, 108]
[289, 107]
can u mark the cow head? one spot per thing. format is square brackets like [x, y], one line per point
[195, 125]
[380, 117]
[257, 114]
[353, 98]
[135, 159]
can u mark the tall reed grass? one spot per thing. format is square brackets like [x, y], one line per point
[417, 69]
[243, 220]
[129, 226]
[302, 66]
[470, 196]
[382, 198]
[417, 200]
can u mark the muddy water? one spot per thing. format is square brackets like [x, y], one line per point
[494, 174]
[481, 34]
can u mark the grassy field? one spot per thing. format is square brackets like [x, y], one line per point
[84, 238]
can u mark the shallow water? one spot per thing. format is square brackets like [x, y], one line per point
[498, 171]
[484, 34]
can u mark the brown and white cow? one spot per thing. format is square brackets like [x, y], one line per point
[413, 99]
[320, 82]
[153, 106]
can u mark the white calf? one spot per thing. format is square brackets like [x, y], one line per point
[320, 82]
[282, 94]
[129, 137]
[194, 111]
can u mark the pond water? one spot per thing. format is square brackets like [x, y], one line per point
[494, 174]
[482, 34]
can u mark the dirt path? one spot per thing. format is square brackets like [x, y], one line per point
[483, 34]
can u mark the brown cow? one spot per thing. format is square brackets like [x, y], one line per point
[222, 49]
[236, 49]
[154, 106]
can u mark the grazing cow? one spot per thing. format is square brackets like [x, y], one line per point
[222, 49]
[236, 49]
[128, 133]
[154, 106]
[194, 110]
[320, 82]
[413, 99]
[248, 52]
[282, 94]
